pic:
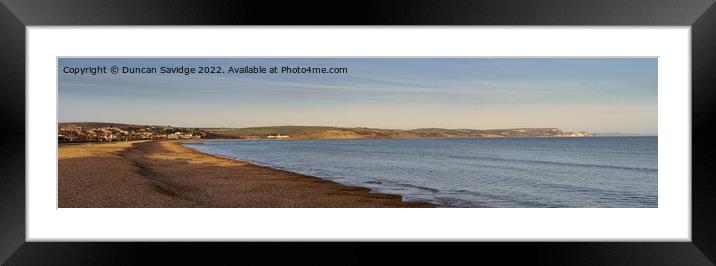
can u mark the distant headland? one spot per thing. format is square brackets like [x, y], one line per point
[103, 132]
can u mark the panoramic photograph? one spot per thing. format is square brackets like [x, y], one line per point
[357, 132]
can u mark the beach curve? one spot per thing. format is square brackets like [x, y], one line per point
[166, 174]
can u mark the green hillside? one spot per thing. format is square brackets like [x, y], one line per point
[326, 132]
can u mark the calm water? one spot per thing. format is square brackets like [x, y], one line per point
[499, 172]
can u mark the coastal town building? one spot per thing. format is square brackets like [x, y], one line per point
[180, 136]
[278, 136]
[106, 134]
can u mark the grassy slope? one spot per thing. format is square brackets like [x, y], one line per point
[324, 132]
[317, 132]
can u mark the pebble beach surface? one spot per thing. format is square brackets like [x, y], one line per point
[168, 175]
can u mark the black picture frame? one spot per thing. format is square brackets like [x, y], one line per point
[16, 15]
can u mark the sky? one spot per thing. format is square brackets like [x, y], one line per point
[599, 95]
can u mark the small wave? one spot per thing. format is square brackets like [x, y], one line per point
[556, 163]
[433, 190]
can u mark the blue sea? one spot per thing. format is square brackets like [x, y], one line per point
[599, 172]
